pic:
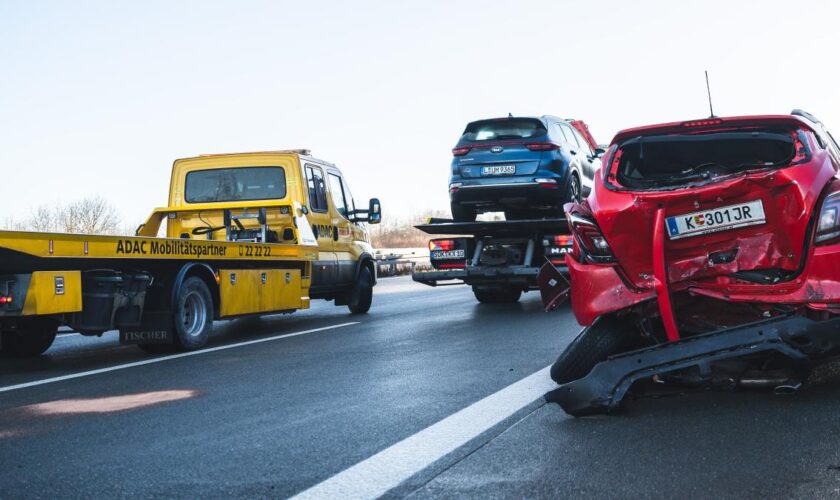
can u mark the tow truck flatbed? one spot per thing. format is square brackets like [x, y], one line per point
[498, 259]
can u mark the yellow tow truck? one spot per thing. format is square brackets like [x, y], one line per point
[245, 234]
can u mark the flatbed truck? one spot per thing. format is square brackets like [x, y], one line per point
[499, 259]
[246, 234]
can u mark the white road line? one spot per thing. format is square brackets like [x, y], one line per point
[375, 476]
[167, 358]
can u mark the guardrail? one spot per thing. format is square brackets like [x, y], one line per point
[400, 261]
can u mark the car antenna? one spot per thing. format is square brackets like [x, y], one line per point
[510, 115]
[709, 92]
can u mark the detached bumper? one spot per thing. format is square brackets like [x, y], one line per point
[606, 385]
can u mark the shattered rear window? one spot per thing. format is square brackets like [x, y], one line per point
[651, 162]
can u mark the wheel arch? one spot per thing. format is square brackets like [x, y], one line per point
[206, 274]
[365, 260]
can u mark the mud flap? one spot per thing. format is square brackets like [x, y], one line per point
[603, 389]
[157, 328]
[554, 286]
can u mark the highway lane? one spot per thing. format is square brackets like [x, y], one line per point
[272, 418]
[282, 416]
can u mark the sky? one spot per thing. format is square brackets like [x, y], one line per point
[99, 98]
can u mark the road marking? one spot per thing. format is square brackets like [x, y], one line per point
[167, 358]
[375, 476]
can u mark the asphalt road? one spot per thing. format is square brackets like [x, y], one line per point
[279, 415]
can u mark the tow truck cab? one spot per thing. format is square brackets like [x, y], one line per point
[249, 196]
[245, 234]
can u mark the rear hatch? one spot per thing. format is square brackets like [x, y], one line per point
[737, 195]
[503, 147]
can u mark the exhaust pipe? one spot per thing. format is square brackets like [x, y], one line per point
[780, 385]
[789, 387]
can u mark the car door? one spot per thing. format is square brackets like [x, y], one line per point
[589, 161]
[343, 228]
[578, 157]
[324, 270]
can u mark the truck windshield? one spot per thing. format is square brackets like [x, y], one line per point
[673, 160]
[503, 129]
[235, 184]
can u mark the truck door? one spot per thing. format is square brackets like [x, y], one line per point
[345, 250]
[324, 272]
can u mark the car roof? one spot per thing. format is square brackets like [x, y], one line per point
[711, 123]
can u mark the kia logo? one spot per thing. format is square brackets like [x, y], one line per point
[496, 149]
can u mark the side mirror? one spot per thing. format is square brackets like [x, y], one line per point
[598, 153]
[374, 211]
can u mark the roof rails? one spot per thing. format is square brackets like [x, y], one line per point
[305, 152]
[805, 114]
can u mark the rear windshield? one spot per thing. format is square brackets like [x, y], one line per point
[504, 129]
[235, 184]
[672, 160]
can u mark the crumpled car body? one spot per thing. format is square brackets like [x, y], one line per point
[686, 217]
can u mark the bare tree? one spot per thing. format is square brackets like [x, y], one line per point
[86, 216]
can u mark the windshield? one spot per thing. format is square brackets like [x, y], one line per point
[671, 160]
[235, 184]
[503, 129]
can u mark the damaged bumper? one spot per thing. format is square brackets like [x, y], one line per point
[603, 389]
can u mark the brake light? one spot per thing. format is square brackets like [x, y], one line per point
[542, 146]
[460, 151]
[444, 245]
[591, 240]
[828, 225]
[6, 299]
[562, 240]
[702, 123]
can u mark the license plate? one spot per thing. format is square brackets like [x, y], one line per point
[498, 170]
[720, 219]
[447, 254]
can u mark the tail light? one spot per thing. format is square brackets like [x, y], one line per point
[592, 242]
[542, 146]
[455, 186]
[828, 225]
[444, 245]
[460, 151]
[547, 183]
[6, 299]
[562, 240]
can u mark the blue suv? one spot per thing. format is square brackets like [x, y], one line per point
[526, 167]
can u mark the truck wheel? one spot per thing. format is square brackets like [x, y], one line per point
[193, 314]
[461, 213]
[487, 295]
[32, 338]
[605, 337]
[362, 295]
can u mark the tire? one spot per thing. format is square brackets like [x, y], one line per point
[497, 295]
[604, 338]
[31, 338]
[574, 193]
[461, 213]
[193, 315]
[362, 295]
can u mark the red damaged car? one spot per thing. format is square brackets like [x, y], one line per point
[707, 254]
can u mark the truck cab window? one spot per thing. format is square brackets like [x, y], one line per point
[317, 189]
[337, 192]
